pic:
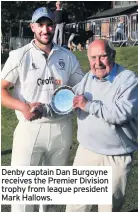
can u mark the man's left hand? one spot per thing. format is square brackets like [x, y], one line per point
[79, 102]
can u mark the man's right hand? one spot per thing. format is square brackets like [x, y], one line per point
[29, 113]
[10, 102]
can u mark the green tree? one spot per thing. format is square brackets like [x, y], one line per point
[13, 11]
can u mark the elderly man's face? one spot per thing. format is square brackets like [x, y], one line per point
[101, 62]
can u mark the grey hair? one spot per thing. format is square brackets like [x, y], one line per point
[110, 49]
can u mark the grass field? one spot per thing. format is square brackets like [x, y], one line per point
[127, 56]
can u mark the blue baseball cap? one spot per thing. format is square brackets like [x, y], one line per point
[42, 12]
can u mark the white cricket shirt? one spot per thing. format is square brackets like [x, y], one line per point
[35, 76]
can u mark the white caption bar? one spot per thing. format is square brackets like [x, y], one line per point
[56, 185]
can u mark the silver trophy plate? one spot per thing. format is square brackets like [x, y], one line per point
[62, 100]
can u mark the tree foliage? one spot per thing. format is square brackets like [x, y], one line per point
[13, 11]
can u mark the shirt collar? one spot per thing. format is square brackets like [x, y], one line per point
[54, 47]
[110, 77]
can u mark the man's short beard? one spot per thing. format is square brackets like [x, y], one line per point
[44, 43]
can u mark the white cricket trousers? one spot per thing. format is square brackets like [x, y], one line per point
[45, 143]
[121, 167]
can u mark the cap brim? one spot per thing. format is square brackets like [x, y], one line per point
[35, 21]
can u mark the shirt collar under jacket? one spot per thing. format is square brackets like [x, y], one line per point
[110, 77]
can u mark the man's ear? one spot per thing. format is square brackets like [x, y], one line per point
[113, 54]
[54, 26]
[32, 27]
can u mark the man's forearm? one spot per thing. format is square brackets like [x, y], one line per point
[10, 102]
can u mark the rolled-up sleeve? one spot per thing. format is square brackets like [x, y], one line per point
[10, 69]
